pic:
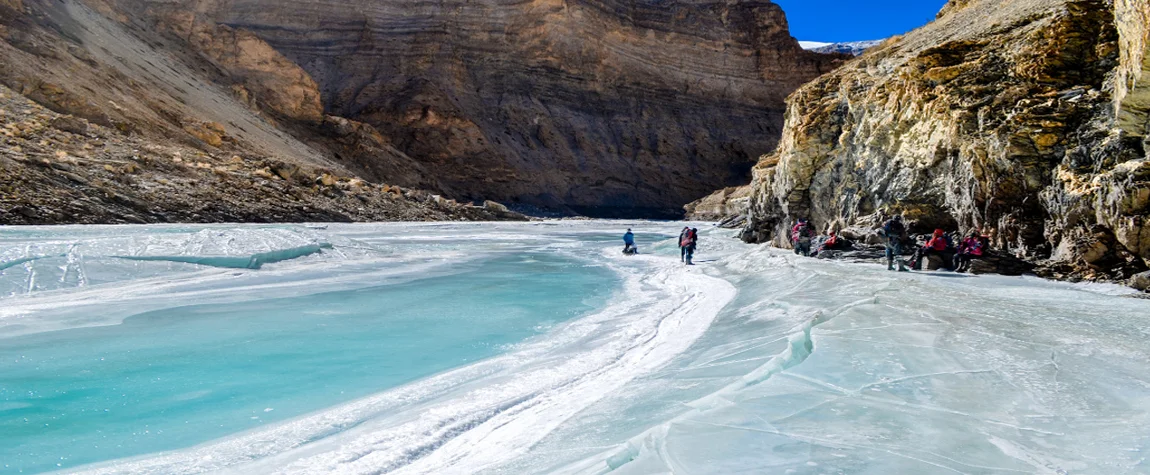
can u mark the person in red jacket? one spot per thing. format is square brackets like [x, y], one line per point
[936, 245]
[801, 235]
[970, 248]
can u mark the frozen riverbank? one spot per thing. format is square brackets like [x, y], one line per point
[754, 361]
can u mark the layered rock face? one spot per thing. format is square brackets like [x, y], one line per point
[133, 127]
[726, 205]
[600, 106]
[1026, 119]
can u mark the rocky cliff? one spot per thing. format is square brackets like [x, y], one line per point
[1026, 119]
[603, 107]
[129, 126]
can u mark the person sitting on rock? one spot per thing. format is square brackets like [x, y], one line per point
[833, 242]
[970, 248]
[895, 232]
[801, 235]
[937, 245]
[629, 243]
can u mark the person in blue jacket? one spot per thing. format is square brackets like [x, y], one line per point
[629, 243]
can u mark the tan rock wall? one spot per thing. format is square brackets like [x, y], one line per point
[999, 116]
[589, 104]
[724, 204]
[274, 82]
[1132, 84]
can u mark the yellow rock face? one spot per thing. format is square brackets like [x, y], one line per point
[1132, 84]
[205, 133]
[998, 116]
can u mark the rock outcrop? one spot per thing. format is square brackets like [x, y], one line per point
[603, 107]
[727, 205]
[263, 77]
[1026, 119]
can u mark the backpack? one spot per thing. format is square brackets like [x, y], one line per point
[893, 229]
[804, 233]
[687, 239]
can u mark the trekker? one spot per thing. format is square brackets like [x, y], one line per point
[970, 248]
[683, 241]
[629, 243]
[692, 243]
[801, 235]
[895, 232]
[937, 245]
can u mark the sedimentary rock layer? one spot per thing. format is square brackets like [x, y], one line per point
[600, 106]
[132, 127]
[1026, 119]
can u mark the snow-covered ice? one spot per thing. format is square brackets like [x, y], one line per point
[753, 361]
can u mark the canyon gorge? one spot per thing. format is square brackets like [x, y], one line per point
[595, 108]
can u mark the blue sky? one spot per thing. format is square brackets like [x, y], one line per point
[856, 20]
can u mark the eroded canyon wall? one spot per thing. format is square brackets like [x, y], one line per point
[104, 120]
[603, 107]
[1026, 119]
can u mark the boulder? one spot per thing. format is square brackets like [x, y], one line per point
[1141, 281]
[945, 260]
[204, 134]
[326, 179]
[495, 207]
[1001, 263]
[70, 124]
[284, 170]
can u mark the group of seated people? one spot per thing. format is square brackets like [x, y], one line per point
[955, 251]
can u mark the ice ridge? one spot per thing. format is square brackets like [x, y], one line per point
[15, 262]
[254, 261]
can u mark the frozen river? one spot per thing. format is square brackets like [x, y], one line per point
[539, 348]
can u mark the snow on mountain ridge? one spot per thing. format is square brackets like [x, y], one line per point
[853, 47]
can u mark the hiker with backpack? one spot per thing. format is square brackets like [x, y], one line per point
[970, 248]
[895, 232]
[689, 242]
[801, 235]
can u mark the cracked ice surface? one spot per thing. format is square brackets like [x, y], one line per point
[902, 373]
[753, 361]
